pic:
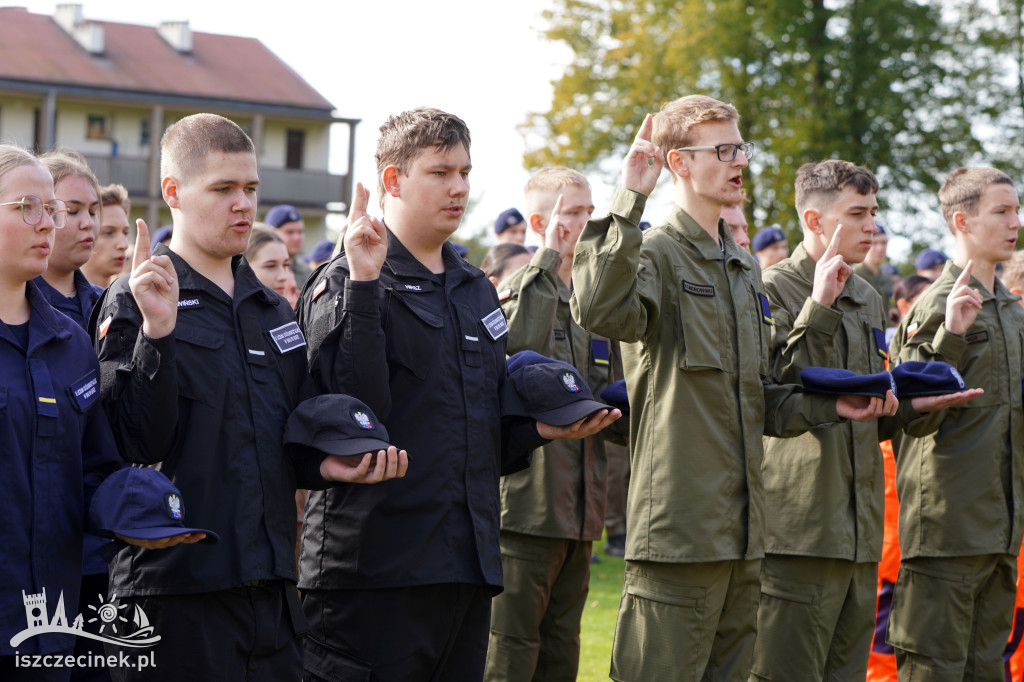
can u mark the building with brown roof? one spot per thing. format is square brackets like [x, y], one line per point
[108, 90]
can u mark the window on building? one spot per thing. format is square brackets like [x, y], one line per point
[293, 154]
[98, 127]
[144, 132]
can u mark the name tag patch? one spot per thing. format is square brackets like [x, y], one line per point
[190, 302]
[419, 288]
[288, 337]
[698, 289]
[85, 390]
[766, 310]
[495, 324]
[977, 337]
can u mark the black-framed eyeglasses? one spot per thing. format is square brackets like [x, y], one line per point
[32, 208]
[726, 152]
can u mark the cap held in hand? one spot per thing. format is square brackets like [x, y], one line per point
[915, 378]
[844, 382]
[334, 424]
[547, 390]
[141, 503]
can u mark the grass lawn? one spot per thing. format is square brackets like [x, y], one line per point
[598, 625]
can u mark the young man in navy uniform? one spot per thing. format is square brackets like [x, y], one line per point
[397, 579]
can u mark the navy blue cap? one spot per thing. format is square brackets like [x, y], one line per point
[915, 378]
[461, 249]
[334, 424]
[281, 214]
[160, 235]
[767, 236]
[321, 252]
[550, 391]
[844, 382]
[929, 258]
[888, 270]
[508, 218]
[644, 225]
[141, 502]
[880, 226]
[615, 395]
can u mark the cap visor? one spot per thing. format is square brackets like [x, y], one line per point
[350, 446]
[165, 532]
[571, 413]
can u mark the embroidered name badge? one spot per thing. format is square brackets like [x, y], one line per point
[599, 352]
[698, 289]
[766, 310]
[288, 337]
[175, 507]
[190, 302]
[977, 337]
[880, 345]
[419, 288]
[559, 334]
[84, 391]
[495, 324]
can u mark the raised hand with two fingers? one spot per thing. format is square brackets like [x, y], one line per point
[154, 284]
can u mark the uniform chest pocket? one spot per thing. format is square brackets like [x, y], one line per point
[698, 322]
[200, 363]
[413, 331]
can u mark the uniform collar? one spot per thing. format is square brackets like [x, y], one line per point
[44, 323]
[951, 271]
[246, 282]
[681, 225]
[405, 266]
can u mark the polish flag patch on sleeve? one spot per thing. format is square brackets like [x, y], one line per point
[319, 289]
[912, 328]
[105, 325]
[504, 295]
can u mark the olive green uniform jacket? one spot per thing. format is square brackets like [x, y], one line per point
[961, 489]
[562, 494]
[826, 488]
[696, 339]
[881, 283]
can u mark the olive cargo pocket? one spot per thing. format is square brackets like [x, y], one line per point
[931, 613]
[659, 632]
[788, 610]
[698, 322]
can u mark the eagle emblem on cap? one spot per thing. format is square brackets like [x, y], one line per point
[570, 382]
[174, 506]
[956, 375]
[363, 420]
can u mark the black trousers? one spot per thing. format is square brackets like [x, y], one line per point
[428, 633]
[245, 633]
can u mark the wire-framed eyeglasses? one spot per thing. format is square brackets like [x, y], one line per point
[32, 208]
[726, 152]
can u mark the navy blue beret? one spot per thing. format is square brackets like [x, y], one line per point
[845, 382]
[615, 395]
[915, 378]
[929, 258]
[281, 214]
[767, 236]
[507, 219]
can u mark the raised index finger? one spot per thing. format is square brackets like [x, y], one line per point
[646, 128]
[359, 202]
[142, 251]
[965, 276]
[555, 212]
[833, 246]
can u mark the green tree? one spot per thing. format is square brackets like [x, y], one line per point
[877, 82]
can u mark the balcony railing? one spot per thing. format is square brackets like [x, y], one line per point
[277, 185]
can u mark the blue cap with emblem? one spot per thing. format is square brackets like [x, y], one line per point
[550, 391]
[844, 382]
[334, 424]
[767, 236]
[281, 214]
[915, 378]
[140, 502]
[615, 395]
[507, 219]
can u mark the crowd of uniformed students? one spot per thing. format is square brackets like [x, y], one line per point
[755, 509]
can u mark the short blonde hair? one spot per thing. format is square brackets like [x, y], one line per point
[963, 188]
[672, 125]
[186, 144]
[548, 181]
[64, 163]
